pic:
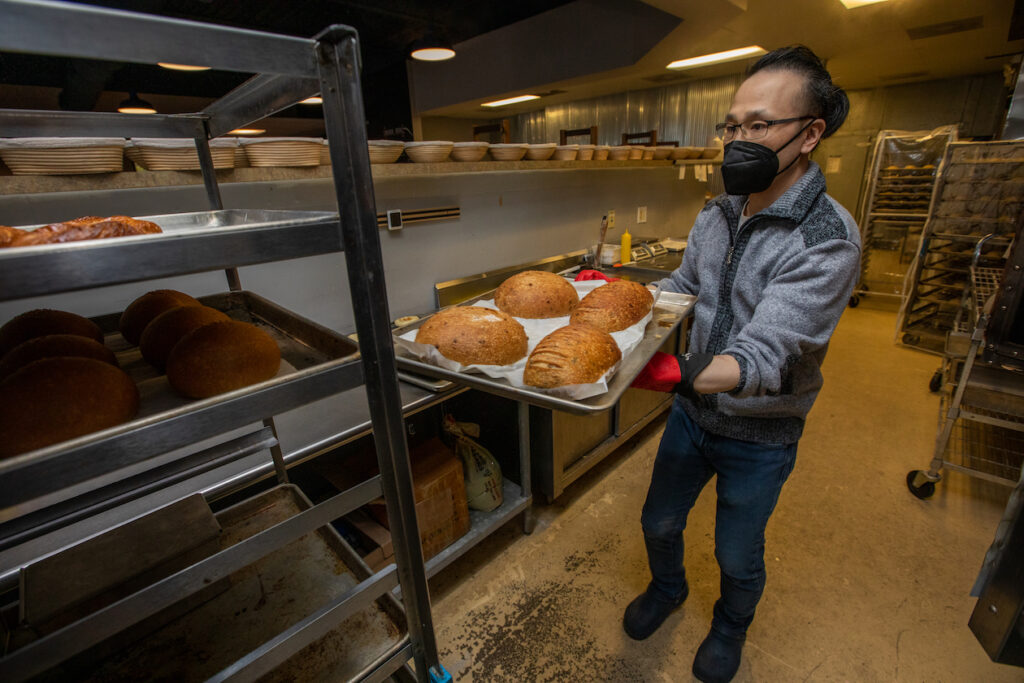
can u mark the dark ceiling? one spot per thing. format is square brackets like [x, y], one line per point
[387, 29]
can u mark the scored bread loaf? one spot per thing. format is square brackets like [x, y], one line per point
[536, 294]
[56, 399]
[43, 321]
[574, 354]
[222, 357]
[54, 346]
[148, 306]
[614, 306]
[473, 335]
[167, 329]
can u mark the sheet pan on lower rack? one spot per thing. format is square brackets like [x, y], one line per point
[669, 312]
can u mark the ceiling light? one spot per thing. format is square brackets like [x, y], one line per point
[135, 105]
[182, 67]
[850, 4]
[316, 99]
[718, 57]
[511, 100]
[247, 131]
[431, 48]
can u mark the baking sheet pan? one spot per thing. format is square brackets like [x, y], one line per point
[668, 313]
[265, 599]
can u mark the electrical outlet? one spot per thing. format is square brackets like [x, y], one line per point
[641, 214]
[611, 218]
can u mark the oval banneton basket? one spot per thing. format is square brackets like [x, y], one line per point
[267, 152]
[470, 151]
[586, 152]
[430, 151]
[507, 151]
[601, 152]
[63, 156]
[540, 151]
[385, 151]
[566, 152]
[171, 154]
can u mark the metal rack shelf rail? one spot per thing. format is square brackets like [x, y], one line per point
[290, 69]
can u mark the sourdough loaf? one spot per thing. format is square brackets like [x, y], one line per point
[536, 294]
[473, 335]
[222, 357]
[574, 354]
[167, 329]
[54, 346]
[43, 321]
[56, 399]
[148, 306]
[614, 306]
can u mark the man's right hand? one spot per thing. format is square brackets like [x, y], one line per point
[593, 275]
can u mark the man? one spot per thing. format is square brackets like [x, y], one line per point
[773, 263]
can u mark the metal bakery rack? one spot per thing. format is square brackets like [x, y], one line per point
[61, 482]
[899, 182]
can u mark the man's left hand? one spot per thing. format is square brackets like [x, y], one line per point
[668, 373]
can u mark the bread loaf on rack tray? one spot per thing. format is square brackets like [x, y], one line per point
[536, 294]
[614, 306]
[84, 228]
[164, 332]
[574, 354]
[147, 307]
[43, 321]
[54, 346]
[474, 335]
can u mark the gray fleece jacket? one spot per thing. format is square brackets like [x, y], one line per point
[769, 293]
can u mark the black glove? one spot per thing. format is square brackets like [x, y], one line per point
[691, 365]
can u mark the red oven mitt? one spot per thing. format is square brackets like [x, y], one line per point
[594, 275]
[668, 373]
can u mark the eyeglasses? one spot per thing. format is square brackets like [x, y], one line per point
[754, 130]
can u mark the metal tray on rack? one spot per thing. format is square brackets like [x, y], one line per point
[316, 363]
[190, 243]
[669, 312]
[263, 600]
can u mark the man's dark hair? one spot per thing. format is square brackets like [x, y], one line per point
[825, 99]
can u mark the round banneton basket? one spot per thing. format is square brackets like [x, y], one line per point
[601, 152]
[566, 152]
[541, 151]
[63, 156]
[710, 152]
[385, 151]
[663, 152]
[325, 154]
[179, 154]
[586, 152]
[283, 151]
[619, 152]
[469, 151]
[635, 153]
[508, 151]
[431, 151]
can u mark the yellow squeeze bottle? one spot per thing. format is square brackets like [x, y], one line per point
[626, 254]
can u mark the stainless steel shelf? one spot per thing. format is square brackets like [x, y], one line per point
[190, 243]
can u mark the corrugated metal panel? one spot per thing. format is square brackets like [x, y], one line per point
[684, 112]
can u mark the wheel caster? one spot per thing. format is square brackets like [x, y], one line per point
[854, 301]
[935, 383]
[925, 490]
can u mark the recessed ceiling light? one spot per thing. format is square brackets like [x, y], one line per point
[247, 131]
[511, 100]
[718, 57]
[316, 99]
[182, 67]
[135, 105]
[432, 54]
[850, 4]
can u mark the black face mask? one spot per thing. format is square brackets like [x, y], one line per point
[749, 168]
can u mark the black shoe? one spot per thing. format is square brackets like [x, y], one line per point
[648, 611]
[718, 658]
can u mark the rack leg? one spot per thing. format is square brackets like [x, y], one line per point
[276, 454]
[338, 55]
[524, 464]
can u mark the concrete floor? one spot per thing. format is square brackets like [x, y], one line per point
[865, 582]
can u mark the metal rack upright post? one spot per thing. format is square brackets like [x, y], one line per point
[289, 69]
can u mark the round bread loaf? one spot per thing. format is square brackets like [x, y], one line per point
[536, 294]
[574, 354]
[168, 328]
[222, 357]
[148, 306]
[614, 306]
[44, 321]
[54, 346]
[56, 399]
[473, 335]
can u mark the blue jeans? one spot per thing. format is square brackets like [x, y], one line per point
[750, 477]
